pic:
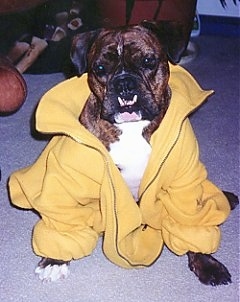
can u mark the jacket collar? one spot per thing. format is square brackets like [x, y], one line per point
[60, 107]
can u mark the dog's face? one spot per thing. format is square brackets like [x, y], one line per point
[128, 72]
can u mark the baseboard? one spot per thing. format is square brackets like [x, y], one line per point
[220, 25]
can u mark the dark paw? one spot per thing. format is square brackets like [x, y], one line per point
[209, 270]
[232, 199]
[49, 261]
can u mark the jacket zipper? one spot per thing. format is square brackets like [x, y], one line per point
[161, 165]
[113, 189]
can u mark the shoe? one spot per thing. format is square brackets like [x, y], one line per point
[74, 24]
[59, 34]
[37, 47]
[17, 51]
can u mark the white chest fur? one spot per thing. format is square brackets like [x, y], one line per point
[131, 153]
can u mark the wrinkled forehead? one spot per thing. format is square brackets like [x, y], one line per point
[134, 38]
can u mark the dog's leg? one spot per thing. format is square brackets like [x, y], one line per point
[50, 270]
[208, 269]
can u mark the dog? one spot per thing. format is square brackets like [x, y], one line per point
[128, 75]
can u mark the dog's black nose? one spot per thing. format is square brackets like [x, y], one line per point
[124, 85]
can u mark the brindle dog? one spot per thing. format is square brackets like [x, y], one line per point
[128, 75]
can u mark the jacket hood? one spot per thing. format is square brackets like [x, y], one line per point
[59, 109]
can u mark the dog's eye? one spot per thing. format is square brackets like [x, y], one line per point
[149, 62]
[99, 69]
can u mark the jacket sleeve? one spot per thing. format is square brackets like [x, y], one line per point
[193, 206]
[67, 200]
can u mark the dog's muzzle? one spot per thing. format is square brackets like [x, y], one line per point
[123, 101]
[125, 86]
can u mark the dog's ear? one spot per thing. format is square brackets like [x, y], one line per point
[80, 47]
[174, 36]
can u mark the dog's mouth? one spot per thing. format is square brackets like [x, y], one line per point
[129, 111]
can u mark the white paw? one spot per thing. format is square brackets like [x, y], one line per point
[52, 273]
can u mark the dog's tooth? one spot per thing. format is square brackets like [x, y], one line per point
[134, 100]
[124, 102]
[121, 101]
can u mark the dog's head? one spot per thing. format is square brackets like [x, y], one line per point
[128, 71]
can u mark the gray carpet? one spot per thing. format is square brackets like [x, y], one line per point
[95, 279]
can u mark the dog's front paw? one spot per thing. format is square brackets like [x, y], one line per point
[50, 270]
[108, 133]
[208, 269]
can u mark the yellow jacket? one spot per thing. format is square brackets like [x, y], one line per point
[80, 193]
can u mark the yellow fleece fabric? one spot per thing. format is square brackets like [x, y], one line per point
[80, 194]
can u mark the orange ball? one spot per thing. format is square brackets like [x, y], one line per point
[13, 88]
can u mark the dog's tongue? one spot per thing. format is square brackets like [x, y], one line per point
[127, 117]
